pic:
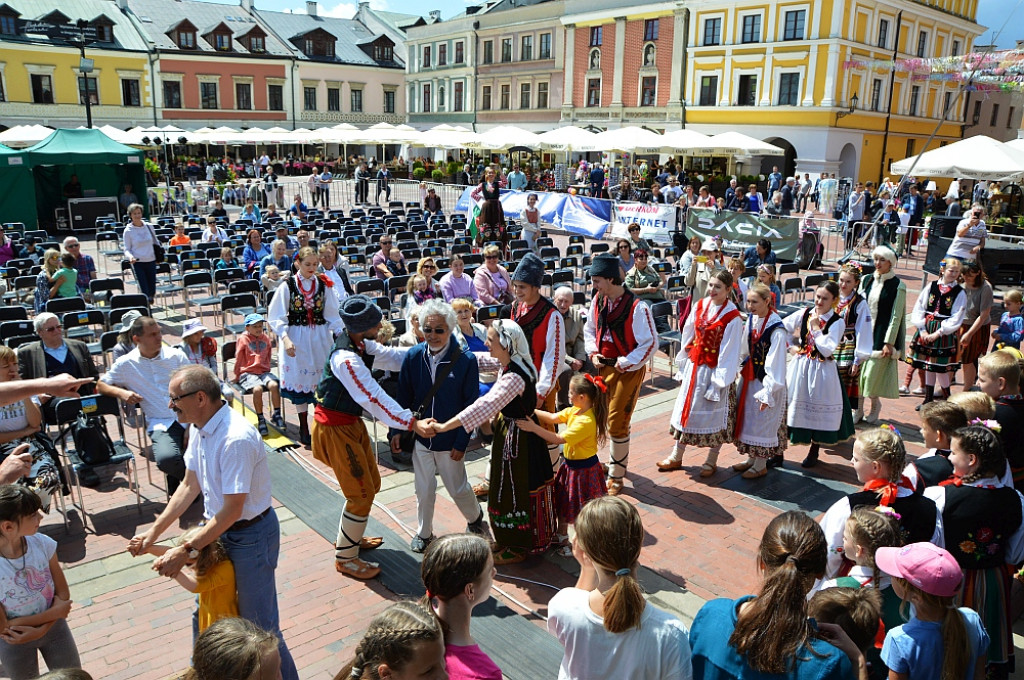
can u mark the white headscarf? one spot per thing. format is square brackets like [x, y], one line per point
[512, 338]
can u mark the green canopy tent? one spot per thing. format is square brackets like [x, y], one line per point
[17, 188]
[101, 164]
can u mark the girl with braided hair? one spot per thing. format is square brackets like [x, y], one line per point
[982, 528]
[879, 458]
[403, 641]
[235, 649]
[855, 347]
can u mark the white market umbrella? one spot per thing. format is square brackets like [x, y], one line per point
[980, 157]
[25, 135]
[505, 137]
[629, 140]
[684, 141]
[739, 143]
[445, 136]
[569, 138]
[384, 133]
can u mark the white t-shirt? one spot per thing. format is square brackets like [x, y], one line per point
[28, 590]
[659, 648]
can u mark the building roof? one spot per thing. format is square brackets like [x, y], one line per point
[125, 35]
[398, 20]
[159, 17]
[350, 35]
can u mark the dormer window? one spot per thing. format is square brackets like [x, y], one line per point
[221, 42]
[257, 43]
[219, 37]
[8, 24]
[187, 40]
[104, 28]
[183, 34]
[315, 43]
[383, 53]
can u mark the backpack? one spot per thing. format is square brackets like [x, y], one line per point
[92, 441]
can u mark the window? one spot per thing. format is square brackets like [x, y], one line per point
[650, 29]
[221, 42]
[389, 101]
[3, 95]
[488, 51]
[789, 89]
[977, 113]
[460, 52]
[383, 53]
[208, 95]
[542, 96]
[1009, 118]
[956, 48]
[794, 26]
[594, 92]
[526, 48]
[708, 90]
[876, 94]
[485, 98]
[648, 91]
[883, 33]
[130, 93]
[426, 56]
[751, 29]
[506, 97]
[442, 54]
[922, 44]
[748, 91]
[42, 89]
[8, 25]
[275, 97]
[357, 101]
[187, 40]
[87, 87]
[915, 95]
[712, 32]
[309, 99]
[910, 148]
[334, 99]
[506, 49]
[103, 33]
[426, 98]
[257, 43]
[524, 95]
[595, 36]
[946, 113]
[545, 46]
[440, 97]
[172, 94]
[458, 97]
[995, 115]
[243, 96]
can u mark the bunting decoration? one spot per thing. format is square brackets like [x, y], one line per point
[992, 71]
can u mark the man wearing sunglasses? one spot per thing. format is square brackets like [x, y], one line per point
[443, 454]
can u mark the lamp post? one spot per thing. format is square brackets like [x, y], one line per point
[85, 65]
[854, 100]
[164, 144]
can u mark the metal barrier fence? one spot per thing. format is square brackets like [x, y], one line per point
[343, 193]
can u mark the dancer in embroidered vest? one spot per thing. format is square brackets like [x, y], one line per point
[818, 411]
[886, 296]
[938, 315]
[761, 407]
[619, 336]
[340, 439]
[304, 315]
[705, 410]
[490, 222]
[855, 346]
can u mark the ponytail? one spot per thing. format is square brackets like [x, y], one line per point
[596, 391]
[955, 644]
[623, 603]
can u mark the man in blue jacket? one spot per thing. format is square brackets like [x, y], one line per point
[443, 454]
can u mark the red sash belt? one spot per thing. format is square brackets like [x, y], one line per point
[747, 373]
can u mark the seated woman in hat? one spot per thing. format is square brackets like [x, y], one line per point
[202, 350]
[704, 267]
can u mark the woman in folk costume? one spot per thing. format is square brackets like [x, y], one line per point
[491, 220]
[855, 346]
[304, 314]
[886, 296]
[619, 336]
[521, 497]
[705, 410]
[761, 414]
[938, 315]
[818, 411]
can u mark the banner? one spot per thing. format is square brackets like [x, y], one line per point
[741, 230]
[657, 221]
[578, 214]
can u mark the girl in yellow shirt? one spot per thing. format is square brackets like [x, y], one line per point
[580, 477]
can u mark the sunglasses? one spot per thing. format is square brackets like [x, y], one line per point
[490, 257]
[426, 330]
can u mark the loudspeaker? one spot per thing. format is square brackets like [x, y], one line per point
[943, 226]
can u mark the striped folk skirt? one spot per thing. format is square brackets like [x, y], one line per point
[939, 356]
[987, 591]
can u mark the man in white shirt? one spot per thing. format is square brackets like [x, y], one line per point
[264, 162]
[517, 179]
[227, 463]
[141, 377]
[324, 182]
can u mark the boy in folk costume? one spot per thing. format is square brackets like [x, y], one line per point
[339, 436]
[544, 328]
[619, 337]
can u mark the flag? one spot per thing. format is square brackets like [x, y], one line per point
[473, 229]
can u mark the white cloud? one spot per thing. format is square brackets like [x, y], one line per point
[338, 10]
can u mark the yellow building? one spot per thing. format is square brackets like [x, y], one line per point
[41, 79]
[778, 70]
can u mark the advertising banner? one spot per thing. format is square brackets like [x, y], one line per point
[657, 221]
[744, 230]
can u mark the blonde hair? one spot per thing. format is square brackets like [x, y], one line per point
[1013, 295]
[610, 532]
[737, 263]
[8, 356]
[974, 404]
[1002, 364]
[49, 255]
[209, 556]
[955, 643]
[881, 445]
[872, 530]
[492, 250]
[410, 288]
[461, 303]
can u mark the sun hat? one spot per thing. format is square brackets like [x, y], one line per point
[128, 319]
[250, 319]
[710, 245]
[193, 326]
[923, 565]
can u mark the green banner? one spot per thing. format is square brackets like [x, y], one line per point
[744, 229]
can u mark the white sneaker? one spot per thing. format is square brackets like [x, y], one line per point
[904, 389]
[858, 415]
[918, 391]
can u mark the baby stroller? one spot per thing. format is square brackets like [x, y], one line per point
[810, 250]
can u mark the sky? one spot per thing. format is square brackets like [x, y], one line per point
[991, 13]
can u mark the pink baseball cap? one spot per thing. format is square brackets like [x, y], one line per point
[924, 565]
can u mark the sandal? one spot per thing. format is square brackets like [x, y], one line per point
[707, 469]
[509, 556]
[482, 489]
[743, 467]
[370, 542]
[357, 568]
[753, 474]
[614, 486]
[670, 464]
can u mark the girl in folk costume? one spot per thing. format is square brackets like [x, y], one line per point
[886, 296]
[521, 499]
[938, 315]
[855, 346]
[619, 337]
[818, 411]
[491, 220]
[304, 315]
[761, 409]
[879, 458]
[705, 410]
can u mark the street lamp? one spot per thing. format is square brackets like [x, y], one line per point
[85, 66]
[164, 144]
[854, 100]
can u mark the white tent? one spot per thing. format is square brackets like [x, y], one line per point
[684, 141]
[25, 135]
[568, 138]
[739, 143]
[447, 137]
[630, 140]
[980, 157]
[505, 137]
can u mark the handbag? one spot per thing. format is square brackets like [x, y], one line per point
[407, 439]
[158, 250]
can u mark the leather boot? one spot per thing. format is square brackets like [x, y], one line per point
[812, 457]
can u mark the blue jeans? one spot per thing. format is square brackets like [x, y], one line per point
[254, 552]
[145, 276]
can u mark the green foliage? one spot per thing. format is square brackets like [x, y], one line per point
[419, 173]
[153, 168]
[437, 175]
[416, 164]
[454, 167]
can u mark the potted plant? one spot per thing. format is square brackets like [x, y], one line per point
[437, 175]
[419, 173]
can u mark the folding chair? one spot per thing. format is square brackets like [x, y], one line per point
[670, 338]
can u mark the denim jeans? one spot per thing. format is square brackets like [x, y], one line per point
[145, 276]
[254, 551]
